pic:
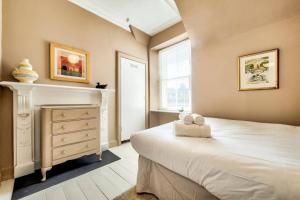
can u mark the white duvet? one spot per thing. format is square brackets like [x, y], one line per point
[243, 160]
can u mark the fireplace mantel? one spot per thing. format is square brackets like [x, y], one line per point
[18, 85]
[26, 125]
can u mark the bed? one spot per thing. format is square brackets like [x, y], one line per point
[242, 160]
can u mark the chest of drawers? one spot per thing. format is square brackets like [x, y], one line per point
[68, 132]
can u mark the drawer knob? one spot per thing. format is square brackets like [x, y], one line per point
[87, 135]
[87, 124]
[62, 152]
[62, 115]
[87, 146]
[62, 139]
[87, 113]
[62, 127]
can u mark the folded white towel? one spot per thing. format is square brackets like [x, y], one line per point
[198, 119]
[192, 130]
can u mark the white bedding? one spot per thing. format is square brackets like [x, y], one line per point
[243, 160]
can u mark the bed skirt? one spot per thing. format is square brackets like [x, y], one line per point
[167, 185]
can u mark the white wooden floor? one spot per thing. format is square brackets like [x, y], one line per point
[103, 183]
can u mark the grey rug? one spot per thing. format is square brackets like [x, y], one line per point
[31, 183]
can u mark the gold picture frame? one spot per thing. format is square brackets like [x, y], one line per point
[69, 64]
[259, 71]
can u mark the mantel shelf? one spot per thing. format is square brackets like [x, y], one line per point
[33, 85]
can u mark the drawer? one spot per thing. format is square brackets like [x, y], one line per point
[72, 126]
[74, 149]
[63, 139]
[72, 114]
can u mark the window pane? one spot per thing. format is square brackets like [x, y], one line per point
[183, 94]
[175, 61]
[176, 94]
[169, 94]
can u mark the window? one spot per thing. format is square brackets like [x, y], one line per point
[175, 77]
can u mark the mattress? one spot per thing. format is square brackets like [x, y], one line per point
[242, 160]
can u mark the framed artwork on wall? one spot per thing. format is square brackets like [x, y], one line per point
[69, 64]
[259, 71]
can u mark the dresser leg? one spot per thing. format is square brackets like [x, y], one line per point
[44, 172]
[99, 156]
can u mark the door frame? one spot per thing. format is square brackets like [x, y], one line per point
[136, 59]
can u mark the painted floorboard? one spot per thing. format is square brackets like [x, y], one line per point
[72, 191]
[89, 189]
[56, 192]
[115, 179]
[124, 173]
[128, 165]
[108, 189]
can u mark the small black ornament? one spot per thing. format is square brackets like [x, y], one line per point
[99, 86]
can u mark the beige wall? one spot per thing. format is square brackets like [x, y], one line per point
[153, 87]
[168, 37]
[154, 80]
[139, 35]
[159, 118]
[30, 25]
[220, 32]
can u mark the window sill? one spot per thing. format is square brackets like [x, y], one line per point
[165, 111]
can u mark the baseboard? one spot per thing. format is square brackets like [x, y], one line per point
[106, 146]
[113, 143]
[7, 173]
[22, 170]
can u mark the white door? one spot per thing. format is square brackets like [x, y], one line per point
[133, 97]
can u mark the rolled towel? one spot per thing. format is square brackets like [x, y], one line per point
[192, 130]
[198, 119]
[186, 118]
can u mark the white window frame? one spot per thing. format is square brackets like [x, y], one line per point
[189, 77]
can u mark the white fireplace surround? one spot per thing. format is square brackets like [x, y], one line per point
[27, 99]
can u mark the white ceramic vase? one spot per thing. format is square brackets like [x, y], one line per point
[24, 72]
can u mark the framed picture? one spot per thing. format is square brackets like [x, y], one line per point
[69, 64]
[259, 71]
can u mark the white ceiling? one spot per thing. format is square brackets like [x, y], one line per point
[150, 16]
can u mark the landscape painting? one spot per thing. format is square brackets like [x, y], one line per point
[69, 64]
[258, 71]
